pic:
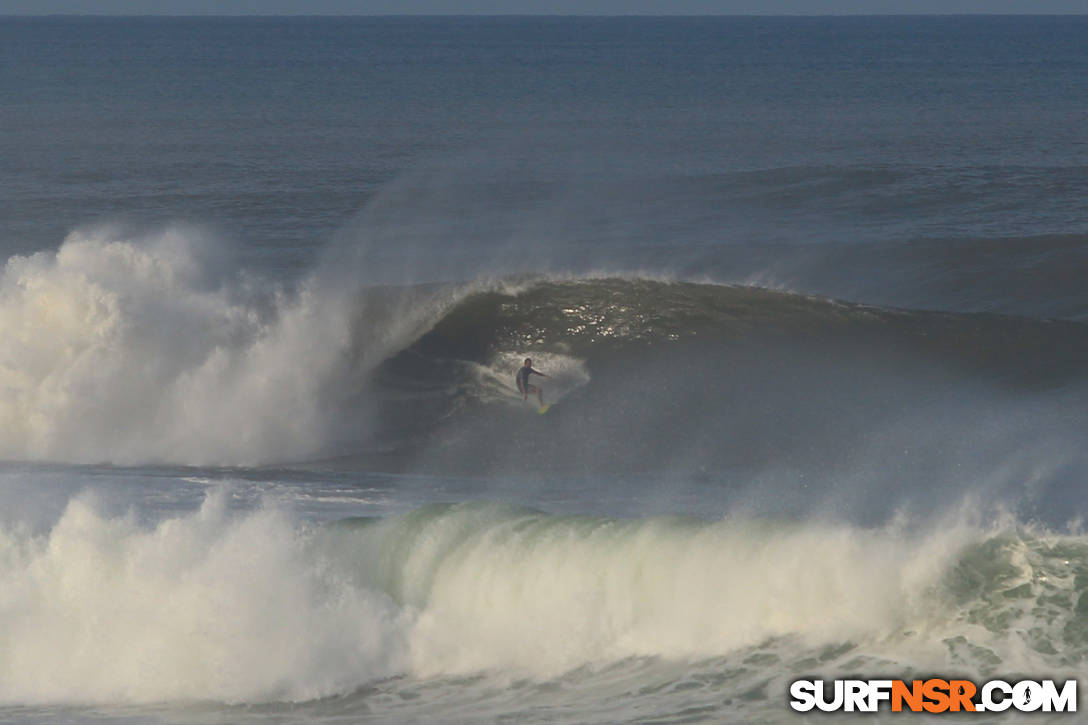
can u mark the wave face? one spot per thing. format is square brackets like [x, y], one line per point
[696, 378]
[213, 603]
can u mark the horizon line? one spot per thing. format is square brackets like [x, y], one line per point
[541, 15]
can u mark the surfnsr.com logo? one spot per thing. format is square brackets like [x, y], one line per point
[934, 695]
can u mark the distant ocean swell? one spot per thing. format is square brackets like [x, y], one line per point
[249, 608]
[138, 351]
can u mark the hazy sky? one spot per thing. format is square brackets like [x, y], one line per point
[581, 7]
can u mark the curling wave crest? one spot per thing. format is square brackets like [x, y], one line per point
[257, 607]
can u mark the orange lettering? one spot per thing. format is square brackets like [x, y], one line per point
[936, 691]
[912, 695]
[961, 693]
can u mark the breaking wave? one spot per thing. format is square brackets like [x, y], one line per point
[255, 607]
[143, 350]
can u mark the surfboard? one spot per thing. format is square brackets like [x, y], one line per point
[544, 408]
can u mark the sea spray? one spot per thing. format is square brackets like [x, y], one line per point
[134, 350]
[203, 606]
[256, 606]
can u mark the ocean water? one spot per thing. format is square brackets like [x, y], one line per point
[810, 293]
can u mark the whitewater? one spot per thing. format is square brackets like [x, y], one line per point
[255, 606]
[808, 292]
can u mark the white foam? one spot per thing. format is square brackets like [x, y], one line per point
[565, 374]
[535, 596]
[139, 350]
[201, 606]
[256, 606]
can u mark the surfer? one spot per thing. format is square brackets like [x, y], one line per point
[524, 386]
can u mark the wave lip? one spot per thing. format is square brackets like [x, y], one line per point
[605, 312]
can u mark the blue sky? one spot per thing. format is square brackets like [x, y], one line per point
[605, 7]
